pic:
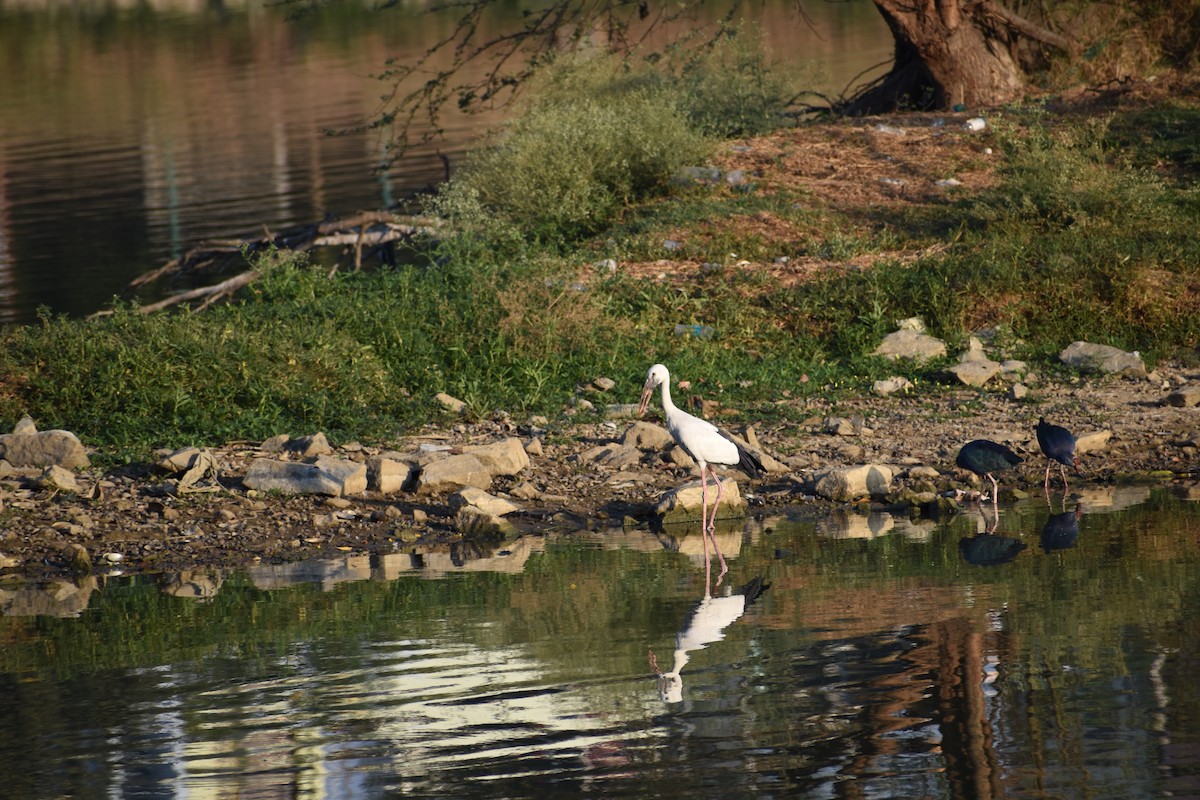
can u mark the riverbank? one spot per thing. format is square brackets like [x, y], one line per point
[137, 520]
[766, 283]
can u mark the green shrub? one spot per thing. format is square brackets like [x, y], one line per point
[735, 89]
[583, 149]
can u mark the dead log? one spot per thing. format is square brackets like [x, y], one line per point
[366, 229]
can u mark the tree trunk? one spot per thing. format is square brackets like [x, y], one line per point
[953, 52]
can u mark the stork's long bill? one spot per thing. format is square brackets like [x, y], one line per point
[647, 390]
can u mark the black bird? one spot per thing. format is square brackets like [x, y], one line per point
[1061, 530]
[988, 549]
[1058, 444]
[983, 457]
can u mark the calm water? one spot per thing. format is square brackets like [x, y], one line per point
[130, 132]
[880, 662]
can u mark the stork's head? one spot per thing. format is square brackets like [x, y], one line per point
[657, 374]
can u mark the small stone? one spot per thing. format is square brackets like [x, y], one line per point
[910, 344]
[604, 384]
[25, 426]
[1092, 441]
[57, 479]
[473, 523]
[646, 436]
[477, 498]
[451, 404]
[525, 491]
[1102, 358]
[890, 386]
[534, 447]
[275, 444]
[1018, 391]
[682, 504]
[620, 410]
[849, 483]
[1184, 398]
[387, 475]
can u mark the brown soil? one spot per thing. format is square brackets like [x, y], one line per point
[134, 521]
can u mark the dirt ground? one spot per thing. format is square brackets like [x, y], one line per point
[133, 521]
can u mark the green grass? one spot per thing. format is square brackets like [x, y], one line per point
[1088, 235]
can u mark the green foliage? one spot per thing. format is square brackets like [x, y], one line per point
[734, 88]
[599, 133]
[1080, 239]
[584, 149]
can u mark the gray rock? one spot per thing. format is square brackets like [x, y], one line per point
[275, 444]
[604, 384]
[890, 386]
[473, 523]
[1103, 358]
[451, 404]
[534, 447]
[614, 455]
[387, 475]
[505, 457]
[911, 324]
[975, 371]
[57, 479]
[922, 472]
[328, 476]
[620, 410]
[849, 483]
[178, 460]
[453, 472]
[309, 446]
[910, 344]
[679, 457]
[25, 425]
[478, 498]
[840, 426]
[1014, 367]
[682, 504]
[1018, 391]
[1186, 397]
[43, 449]
[1092, 441]
[525, 491]
[647, 436]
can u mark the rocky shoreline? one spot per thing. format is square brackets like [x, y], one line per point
[289, 499]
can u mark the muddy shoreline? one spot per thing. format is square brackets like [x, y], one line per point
[134, 521]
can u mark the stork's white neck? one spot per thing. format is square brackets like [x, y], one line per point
[668, 406]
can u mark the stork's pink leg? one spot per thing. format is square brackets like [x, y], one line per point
[712, 526]
[1047, 482]
[704, 532]
[995, 495]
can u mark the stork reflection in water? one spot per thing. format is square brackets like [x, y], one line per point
[705, 624]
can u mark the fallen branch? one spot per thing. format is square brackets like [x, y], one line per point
[369, 229]
[210, 294]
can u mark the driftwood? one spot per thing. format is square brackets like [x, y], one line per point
[369, 231]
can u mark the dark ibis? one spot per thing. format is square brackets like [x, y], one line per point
[1058, 444]
[706, 444]
[988, 549]
[1061, 530]
[983, 457]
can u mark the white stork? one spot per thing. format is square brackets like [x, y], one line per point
[707, 445]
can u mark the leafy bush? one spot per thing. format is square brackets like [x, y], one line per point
[734, 88]
[584, 148]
